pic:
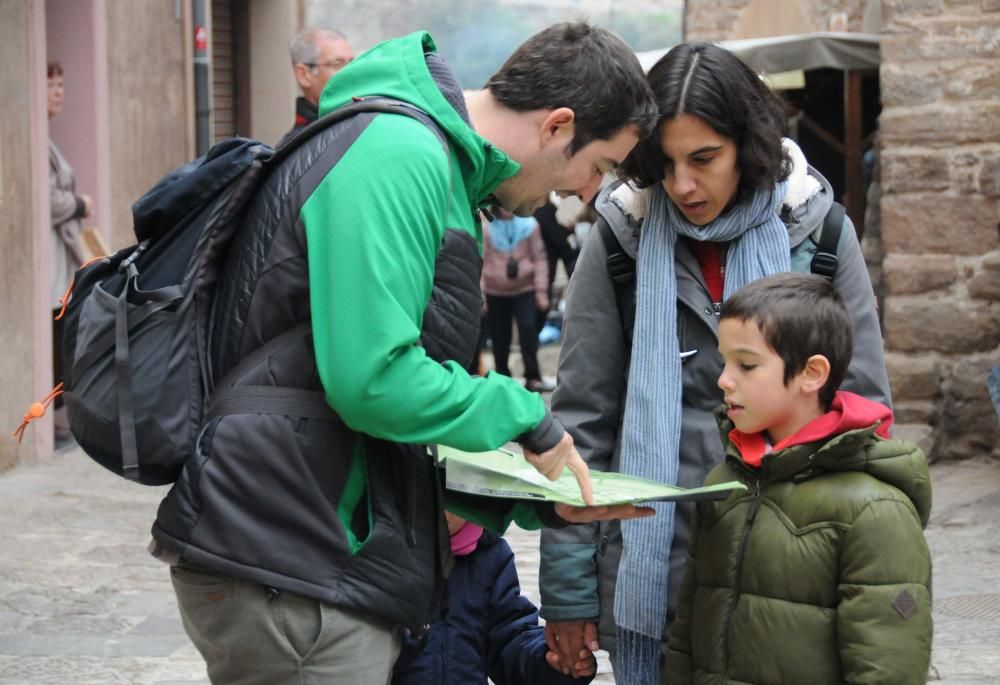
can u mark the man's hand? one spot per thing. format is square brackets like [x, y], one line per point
[571, 647]
[607, 513]
[88, 205]
[551, 463]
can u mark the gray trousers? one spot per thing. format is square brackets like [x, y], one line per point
[250, 635]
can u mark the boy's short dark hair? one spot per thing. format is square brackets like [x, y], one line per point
[714, 85]
[799, 315]
[586, 68]
[54, 69]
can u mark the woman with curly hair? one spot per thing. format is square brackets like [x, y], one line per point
[716, 198]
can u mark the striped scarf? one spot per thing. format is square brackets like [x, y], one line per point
[652, 423]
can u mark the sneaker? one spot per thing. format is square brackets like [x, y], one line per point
[535, 385]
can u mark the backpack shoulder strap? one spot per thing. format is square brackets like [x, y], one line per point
[824, 262]
[357, 106]
[621, 268]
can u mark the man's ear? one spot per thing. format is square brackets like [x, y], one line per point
[815, 374]
[303, 75]
[557, 127]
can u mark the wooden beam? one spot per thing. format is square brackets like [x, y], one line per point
[854, 188]
[821, 133]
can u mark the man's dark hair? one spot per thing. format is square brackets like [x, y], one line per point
[799, 315]
[588, 69]
[711, 83]
[54, 69]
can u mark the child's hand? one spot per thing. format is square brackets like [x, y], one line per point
[571, 646]
[584, 668]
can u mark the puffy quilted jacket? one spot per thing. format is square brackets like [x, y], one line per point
[491, 630]
[819, 573]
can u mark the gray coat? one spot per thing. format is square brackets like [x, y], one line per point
[579, 564]
[67, 209]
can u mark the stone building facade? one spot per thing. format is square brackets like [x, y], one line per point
[939, 259]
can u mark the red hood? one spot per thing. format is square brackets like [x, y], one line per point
[847, 412]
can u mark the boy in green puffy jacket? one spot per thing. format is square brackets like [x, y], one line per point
[819, 572]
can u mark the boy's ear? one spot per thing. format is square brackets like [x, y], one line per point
[815, 374]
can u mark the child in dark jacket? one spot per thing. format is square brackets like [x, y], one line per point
[490, 630]
[819, 572]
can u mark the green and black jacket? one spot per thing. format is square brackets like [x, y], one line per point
[371, 232]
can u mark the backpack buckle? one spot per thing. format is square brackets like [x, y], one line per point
[824, 264]
[136, 253]
[621, 267]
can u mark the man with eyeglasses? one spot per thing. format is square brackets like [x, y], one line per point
[317, 54]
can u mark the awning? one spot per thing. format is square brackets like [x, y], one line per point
[805, 51]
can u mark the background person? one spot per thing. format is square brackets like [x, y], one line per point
[556, 238]
[317, 54]
[67, 208]
[515, 285]
[716, 201]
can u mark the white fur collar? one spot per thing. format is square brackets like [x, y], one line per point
[801, 186]
[632, 201]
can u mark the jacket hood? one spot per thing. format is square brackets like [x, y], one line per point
[808, 198]
[858, 428]
[409, 69]
[847, 412]
[806, 203]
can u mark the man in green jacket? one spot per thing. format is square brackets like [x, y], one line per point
[819, 573]
[301, 539]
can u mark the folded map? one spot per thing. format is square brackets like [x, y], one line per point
[501, 473]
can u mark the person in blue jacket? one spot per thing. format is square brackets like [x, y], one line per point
[489, 630]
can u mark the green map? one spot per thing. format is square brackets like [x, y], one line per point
[501, 473]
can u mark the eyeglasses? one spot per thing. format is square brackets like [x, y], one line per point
[336, 64]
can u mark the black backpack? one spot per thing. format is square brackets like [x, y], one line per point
[621, 266]
[137, 376]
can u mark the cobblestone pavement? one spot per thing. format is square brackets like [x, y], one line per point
[81, 602]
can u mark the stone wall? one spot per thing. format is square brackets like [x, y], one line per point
[940, 175]
[938, 265]
[720, 20]
[25, 268]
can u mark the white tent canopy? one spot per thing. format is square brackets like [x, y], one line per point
[805, 51]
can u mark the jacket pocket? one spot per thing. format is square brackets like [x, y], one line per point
[279, 482]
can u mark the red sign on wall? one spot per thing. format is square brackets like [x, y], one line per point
[200, 39]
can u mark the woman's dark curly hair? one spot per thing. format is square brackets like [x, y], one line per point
[713, 84]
